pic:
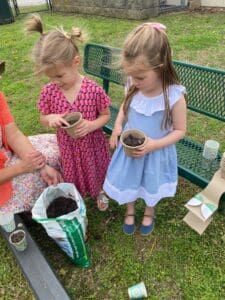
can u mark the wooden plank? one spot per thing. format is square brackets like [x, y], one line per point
[35, 267]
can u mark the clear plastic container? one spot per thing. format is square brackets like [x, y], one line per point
[209, 154]
[7, 222]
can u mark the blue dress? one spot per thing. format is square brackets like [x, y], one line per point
[153, 176]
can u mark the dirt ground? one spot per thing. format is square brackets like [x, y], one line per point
[208, 9]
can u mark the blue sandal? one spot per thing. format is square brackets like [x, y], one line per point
[129, 229]
[147, 229]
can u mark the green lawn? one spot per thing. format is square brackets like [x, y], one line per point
[174, 262]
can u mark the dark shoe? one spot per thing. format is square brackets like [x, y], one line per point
[129, 229]
[147, 229]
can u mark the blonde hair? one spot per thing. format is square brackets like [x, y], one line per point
[53, 47]
[149, 41]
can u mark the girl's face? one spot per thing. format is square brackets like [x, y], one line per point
[144, 78]
[64, 76]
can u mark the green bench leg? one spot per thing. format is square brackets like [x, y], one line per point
[221, 208]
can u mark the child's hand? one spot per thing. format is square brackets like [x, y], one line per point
[57, 120]
[83, 129]
[147, 147]
[113, 141]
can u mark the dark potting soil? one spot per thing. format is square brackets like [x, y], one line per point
[17, 237]
[71, 121]
[61, 206]
[133, 141]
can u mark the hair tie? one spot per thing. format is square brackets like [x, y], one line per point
[157, 26]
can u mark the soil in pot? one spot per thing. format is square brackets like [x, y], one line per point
[61, 206]
[133, 141]
[71, 120]
[17, 237]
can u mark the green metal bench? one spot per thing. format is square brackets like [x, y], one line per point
[206, 95]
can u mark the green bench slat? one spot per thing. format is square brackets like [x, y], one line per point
[205, 86]
[205, 89]
[189, 155]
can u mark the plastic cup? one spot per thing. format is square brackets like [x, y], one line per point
[136, 134]
[18, 239]
[7, 222]
[137, 291]
[73, 119]
[222, 166]
[210, 150]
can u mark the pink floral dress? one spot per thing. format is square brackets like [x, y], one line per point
[28, 187]
[84, 160]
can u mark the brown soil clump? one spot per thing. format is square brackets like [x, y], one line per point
[132, 141]
[17, 237]
[61, 206]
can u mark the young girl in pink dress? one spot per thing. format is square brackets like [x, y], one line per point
[86, 157]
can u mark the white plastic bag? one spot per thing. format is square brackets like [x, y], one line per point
[69, 230]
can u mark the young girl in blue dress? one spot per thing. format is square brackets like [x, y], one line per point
[154, 104]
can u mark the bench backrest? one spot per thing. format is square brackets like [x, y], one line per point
[205, 86]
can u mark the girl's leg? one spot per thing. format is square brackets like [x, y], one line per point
[148, 216]
[130, 214]
[148, 221]
[129, 221]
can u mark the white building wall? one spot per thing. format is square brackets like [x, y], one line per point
[176, 2]
[216, 3]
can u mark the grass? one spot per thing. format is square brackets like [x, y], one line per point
[174, 262]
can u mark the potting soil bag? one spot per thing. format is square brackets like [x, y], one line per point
[68, 230]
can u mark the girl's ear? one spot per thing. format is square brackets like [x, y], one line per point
[76, 60]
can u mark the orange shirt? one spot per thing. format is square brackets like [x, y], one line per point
[5, 118]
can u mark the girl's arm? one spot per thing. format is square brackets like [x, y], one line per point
[179, 111]
[30, 159]
[118, 126]
[103, 118]
[86, 126]
[120, 117]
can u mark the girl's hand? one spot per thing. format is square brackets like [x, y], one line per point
[113, 141]
[57, 120]
[83, 129]
[32, 161]
[51, 176]
[147, 147]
